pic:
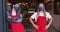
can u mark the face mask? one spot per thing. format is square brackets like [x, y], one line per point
[41, 8]
[16, 8]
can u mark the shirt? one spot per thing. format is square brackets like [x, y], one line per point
[9, 17]
[34, 16]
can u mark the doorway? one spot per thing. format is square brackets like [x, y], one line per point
[27, 11]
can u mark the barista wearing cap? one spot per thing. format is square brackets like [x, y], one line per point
[15, 18]
[41, 17]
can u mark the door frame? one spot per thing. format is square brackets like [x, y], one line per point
[3, 23]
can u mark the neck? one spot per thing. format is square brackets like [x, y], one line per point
[13, 10]
[41, 11]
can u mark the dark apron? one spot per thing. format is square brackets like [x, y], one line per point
[41, 22]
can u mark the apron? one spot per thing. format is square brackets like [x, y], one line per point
[41, 22]
[17, 27]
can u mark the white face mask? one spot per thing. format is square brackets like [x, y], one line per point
[13, 13]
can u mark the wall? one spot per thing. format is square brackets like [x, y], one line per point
[56, 19]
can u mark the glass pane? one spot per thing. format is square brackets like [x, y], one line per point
[27, 8]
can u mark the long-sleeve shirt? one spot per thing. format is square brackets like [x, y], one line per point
[19, 19]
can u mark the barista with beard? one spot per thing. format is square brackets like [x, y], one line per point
[15, 18]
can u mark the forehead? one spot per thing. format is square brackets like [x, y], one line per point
[41, 4]
[16, 4]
